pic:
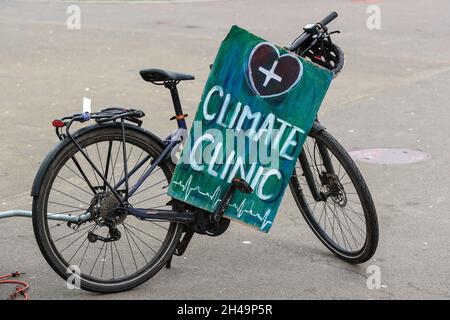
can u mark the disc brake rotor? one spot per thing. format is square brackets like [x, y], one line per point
[336, 190]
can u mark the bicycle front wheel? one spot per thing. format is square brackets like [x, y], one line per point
[69, 185]
[334, 198]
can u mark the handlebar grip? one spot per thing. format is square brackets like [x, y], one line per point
[329, 18]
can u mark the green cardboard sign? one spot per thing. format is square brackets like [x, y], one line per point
[257, 108]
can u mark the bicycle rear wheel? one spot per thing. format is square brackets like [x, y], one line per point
[67, 188]
[334, 198]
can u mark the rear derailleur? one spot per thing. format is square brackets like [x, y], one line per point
[113, 235]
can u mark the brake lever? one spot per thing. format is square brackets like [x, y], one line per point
[333, 32]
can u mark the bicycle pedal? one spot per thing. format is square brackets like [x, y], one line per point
[241, 185]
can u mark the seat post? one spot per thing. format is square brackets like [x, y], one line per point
[172, 86]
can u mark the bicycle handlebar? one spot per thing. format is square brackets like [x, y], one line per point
[306, 35]
[333, 15]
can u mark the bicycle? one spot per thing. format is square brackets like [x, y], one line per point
[101, 195]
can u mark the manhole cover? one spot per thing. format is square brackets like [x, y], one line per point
[389, 155]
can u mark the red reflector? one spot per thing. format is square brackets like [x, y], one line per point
[58, 123]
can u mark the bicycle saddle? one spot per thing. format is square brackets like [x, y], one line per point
[152, 75]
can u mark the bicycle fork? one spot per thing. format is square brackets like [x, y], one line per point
[309, 175]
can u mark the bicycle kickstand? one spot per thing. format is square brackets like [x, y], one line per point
[181, 247]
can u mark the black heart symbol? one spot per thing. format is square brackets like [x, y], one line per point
[272, 74]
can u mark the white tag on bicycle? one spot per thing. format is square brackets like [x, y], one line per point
[86, 105]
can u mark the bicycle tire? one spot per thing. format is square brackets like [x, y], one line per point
[368, 249]
[58, 157]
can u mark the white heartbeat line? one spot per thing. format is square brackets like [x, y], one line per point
[214, 197]
[240, 211]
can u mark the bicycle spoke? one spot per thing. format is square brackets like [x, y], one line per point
[70, 196]
[95, 262]
[65, 205]
[128, 158]
[82, 178]
[120, 259]
[115, 163]
[344, 238]
[331, 224]
[71, 234]
[139, 238]
[143, 172]
[321, 214]
[129, 245]
[83, 175]
[137, 229]
[99, 158]
[84, 254]
[65, 212]
[156, 224]
[112, 261]
[315, 205]
[74, 241]
[92, 168]
[151, 198]
[104, 257]
[72, 184]
[137, 246]
[147, 188]
[77, 250]
[348, 225]
[362, 232]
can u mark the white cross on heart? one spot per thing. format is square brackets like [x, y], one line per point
[284, 73]
[270, 74]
